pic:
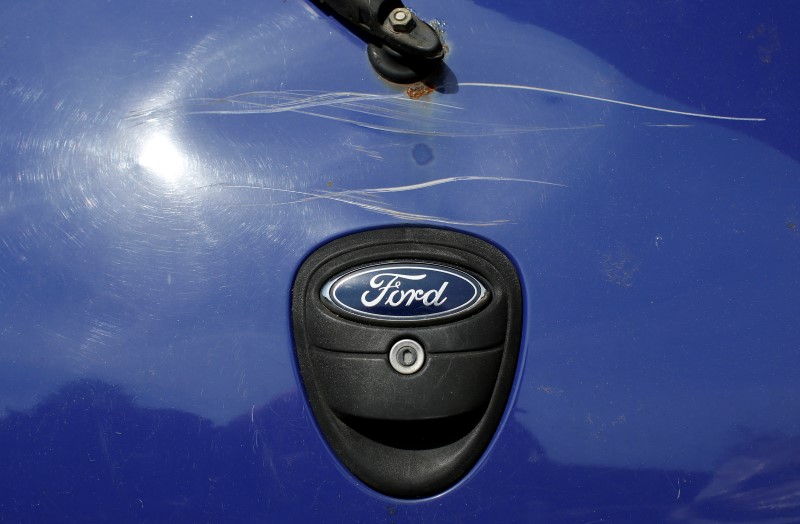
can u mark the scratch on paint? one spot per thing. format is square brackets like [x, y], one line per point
[367, 198]
[375, 155]
[449, 180]
[609, 101]
[667, 125]
[361, 109]
[357, 107]
[394, 113]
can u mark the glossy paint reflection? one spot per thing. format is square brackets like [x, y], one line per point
[165, 168]
[139, 464]
[160, 156]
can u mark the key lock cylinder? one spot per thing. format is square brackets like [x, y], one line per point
[407, 341]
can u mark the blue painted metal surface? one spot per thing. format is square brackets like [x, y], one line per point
[165, 168]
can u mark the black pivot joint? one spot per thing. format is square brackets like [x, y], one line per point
[402, 47]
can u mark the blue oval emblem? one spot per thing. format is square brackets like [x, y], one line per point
[404, 292]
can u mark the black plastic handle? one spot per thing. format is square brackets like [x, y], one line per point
[411, 425]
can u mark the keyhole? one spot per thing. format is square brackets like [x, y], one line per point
[408, 356]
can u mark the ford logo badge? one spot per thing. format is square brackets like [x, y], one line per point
[404, 292]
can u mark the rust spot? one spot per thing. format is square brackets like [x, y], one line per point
[767, 42]
[419, 90]
[791, 226]
[330, 183]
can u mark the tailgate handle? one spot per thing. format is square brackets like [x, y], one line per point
[407, 341]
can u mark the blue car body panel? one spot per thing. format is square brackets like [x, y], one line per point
[165, 168]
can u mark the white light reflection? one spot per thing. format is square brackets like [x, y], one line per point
[160, 156]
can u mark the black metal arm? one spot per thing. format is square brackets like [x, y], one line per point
[402, 47]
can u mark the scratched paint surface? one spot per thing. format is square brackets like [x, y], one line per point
[165, 168]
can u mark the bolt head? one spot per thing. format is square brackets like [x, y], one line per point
[401, 20]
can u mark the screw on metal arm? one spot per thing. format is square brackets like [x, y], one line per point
[402, 47]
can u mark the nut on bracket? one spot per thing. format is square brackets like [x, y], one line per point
[401, 20]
